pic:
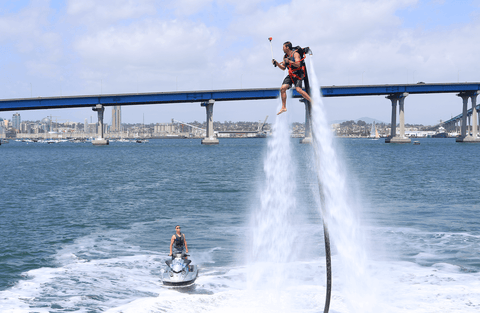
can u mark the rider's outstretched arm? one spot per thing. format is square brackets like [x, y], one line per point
[281, 65]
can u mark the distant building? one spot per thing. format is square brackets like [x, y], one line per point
[85, 126]
[92, 128]
[25, 127]
[164, 128]
[116, 119]
[16, 121]
[46, 123]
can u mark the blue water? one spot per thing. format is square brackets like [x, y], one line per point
[430, 189]
[87, 228]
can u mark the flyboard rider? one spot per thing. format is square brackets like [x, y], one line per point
[296, 73]
[178, 242]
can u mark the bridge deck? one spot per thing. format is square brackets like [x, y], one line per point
[376, 90]
[223, 95]
[136, 98]
[459, 116]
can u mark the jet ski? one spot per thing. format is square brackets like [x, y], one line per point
[179, 272]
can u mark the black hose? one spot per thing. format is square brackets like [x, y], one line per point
[326, 235]
[329, 268]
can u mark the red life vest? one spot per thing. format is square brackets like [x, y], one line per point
[296, 72]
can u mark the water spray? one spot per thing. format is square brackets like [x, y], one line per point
[326, 235]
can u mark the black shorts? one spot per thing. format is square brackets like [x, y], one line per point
[296, 82]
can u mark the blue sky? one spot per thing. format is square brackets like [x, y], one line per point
[432, 15]
[78, 47]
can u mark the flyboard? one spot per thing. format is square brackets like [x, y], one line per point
[326, 235]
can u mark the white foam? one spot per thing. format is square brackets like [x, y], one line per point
[441, 287]
[130, 283]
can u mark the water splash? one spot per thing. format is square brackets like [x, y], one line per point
[340, 211]
[273, 234]
[273, 244]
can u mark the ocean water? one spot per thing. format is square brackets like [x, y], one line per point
[87, 229]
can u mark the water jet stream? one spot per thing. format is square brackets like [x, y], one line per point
[274, 238]
[339, 208]
[326, 235]
[273, 218]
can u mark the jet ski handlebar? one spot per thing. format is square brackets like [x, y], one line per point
[179, 254]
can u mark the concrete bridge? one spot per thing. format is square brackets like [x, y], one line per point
[395, 93]
[465, 118]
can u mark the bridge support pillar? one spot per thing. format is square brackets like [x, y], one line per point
[100, 141]
[465, 135]
[401, 108]
[400, 99]
[469, 126]
[463, 131]
[474, 116]
[308, 123]
[210, 137]
[393, 123]
[478, 120]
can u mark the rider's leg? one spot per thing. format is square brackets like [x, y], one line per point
[303, 93]
[283, 93]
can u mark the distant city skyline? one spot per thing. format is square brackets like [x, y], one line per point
[93, 120]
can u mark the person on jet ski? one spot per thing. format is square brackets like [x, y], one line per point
[178, 242]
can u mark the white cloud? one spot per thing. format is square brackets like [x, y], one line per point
[108, 11]
[26, 28]
[29, 33]
[148, 44]
[159, 45]
[189, 7]
[246, 6]
[150, 51]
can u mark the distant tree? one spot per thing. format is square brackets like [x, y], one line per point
[361, 123]
[347, 123]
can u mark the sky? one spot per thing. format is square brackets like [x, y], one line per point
[87, 47]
